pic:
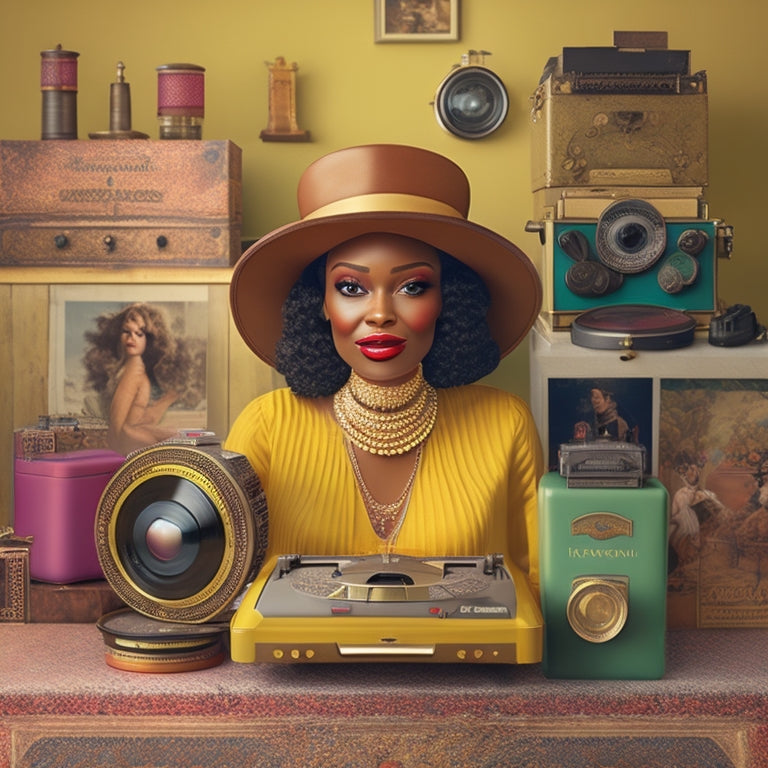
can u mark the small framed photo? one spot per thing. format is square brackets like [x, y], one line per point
[619, 409]
[416, 21]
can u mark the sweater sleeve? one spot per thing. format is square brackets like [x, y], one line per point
[527, 459]
[250, 435]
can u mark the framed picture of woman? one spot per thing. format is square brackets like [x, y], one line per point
[132, 356]
[416, 20]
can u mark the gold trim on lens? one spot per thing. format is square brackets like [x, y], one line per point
[236, 494]
[204, 484]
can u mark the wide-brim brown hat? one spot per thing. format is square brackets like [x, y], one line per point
[386, 188]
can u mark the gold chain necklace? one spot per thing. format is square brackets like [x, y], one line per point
[383, 515]
[386, 420]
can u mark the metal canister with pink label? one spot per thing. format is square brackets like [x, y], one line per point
[58, 83]
[180, 100]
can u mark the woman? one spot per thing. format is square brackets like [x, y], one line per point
[139, 371]
[607, 422]
[379, 444]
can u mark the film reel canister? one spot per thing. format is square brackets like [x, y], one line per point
[180, 530]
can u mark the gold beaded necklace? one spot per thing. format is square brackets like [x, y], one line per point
[385, 518]
[386, 420]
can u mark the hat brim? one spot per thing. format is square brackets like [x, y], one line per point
[266, 272]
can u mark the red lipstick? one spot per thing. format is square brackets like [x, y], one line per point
[381, 346]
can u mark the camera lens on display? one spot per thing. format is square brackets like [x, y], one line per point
[173, 538]
[471, 102]
[631, 236]
[180, 530]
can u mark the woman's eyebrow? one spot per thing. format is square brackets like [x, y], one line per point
[349, 265]
[400, 268]
[404, 267]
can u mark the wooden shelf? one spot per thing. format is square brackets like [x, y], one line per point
[93, 275]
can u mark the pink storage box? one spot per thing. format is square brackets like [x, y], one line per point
[56, 496]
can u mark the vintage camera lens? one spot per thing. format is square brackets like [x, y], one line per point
[180, 529]
[151, 512]
[471, 102]
[631, 236]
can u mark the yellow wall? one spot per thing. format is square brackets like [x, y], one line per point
[354, 91]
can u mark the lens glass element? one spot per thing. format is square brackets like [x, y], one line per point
[471, 102]
[172, 537]
[631, 236]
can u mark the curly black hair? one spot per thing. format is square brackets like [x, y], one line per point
[463, 350]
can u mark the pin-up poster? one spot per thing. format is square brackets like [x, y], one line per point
[713, 459]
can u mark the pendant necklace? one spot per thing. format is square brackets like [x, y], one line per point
[385, 518]
[386, 421]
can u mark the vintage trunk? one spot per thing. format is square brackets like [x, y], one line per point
[120, 203]
[613, 117]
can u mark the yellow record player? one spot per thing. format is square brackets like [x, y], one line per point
[387, 608]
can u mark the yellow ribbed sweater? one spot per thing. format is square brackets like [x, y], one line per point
[474, 493]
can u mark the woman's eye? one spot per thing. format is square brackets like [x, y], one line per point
[349, 288]
[415, 287]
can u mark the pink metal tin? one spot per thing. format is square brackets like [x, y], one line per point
[56, 496]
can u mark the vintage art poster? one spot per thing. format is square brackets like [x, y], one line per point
[713, 460]
[87, 354]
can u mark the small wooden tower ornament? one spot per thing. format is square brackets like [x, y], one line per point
[282, 104]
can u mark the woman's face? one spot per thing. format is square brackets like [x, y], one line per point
[599, 401]
[133, 337]
[692, 474]
[382, 298]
